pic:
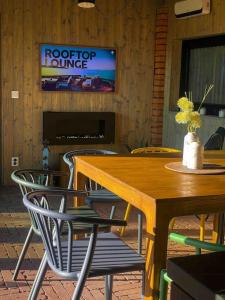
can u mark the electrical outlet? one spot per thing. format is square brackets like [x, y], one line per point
[15, 161]
[15, 94]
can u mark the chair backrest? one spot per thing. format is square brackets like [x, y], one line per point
[68, 159]
[58, 245]
[154, 150]
[33, 180]
[216, 140]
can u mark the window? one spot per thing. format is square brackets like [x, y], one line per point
[203, 63]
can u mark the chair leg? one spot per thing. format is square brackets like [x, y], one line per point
[215, 234]
[127, 214]
[202, 227]
[23, 253]
[172, 222]
[108, 287]
[140, 227]
[163, 286]
[38, 279]
[78, 289]
[143, 286]
[221, 228]
[113, 209]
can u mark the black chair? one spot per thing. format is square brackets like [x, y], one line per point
[96, 192]
[198, 277]
[99, 255]
[32, 180]
[216, 140]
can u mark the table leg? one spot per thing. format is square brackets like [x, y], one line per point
[202, 227]
[221, 228]
[79, 184]
[218, 228]
[215, 233]
[156, 252]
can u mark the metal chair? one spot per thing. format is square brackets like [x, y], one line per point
[216, 140]
[198, 245]
[31, 180]
[98, 255]
[96, 192]
[146, 150]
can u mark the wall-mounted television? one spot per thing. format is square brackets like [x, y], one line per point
[77, 69]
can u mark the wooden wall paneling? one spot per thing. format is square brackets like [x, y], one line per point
[124, 56]
[36, 117]
[17, 78]
[27, 97]
[130, 69]
[63, 29]
[132, 36]
[57, 34]
[7, 48]
[147, 29]
[52, 33]
[48, 28]
[119, 101]
[70, 100]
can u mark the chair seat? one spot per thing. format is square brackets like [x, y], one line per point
[84, 211]
[111, 256]
[101, 195]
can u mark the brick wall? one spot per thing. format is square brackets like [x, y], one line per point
[159, 76]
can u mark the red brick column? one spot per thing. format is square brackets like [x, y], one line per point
[159, 75]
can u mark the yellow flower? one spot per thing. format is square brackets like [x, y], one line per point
[183, 117]
[195, 119]
[184, 104]
[187, 115]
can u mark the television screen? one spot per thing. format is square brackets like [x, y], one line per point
[78, 69]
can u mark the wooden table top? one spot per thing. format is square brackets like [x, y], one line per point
[148, 176]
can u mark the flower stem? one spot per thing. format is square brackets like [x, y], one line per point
[206, 92]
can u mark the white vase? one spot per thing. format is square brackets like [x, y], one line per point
[195, 156]
[188, 139]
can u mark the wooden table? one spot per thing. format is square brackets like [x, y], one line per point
[159, 193]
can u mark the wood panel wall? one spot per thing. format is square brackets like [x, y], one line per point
[125, 24]
[178, 30]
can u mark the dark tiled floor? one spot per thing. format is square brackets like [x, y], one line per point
[14, 224]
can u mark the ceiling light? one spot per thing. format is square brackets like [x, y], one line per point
[86, 3]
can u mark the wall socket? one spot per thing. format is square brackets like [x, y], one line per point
[15, 94]
[15, 161]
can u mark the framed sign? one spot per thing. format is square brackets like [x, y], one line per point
[78, 69]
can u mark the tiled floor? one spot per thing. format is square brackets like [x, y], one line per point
[14, 224]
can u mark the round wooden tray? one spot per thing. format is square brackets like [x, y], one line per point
[207, 168]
